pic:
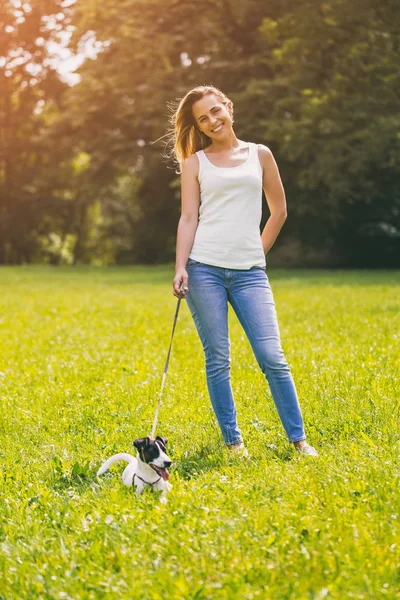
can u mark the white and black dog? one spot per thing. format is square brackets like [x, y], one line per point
[149, 468]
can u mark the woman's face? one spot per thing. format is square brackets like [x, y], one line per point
[212, 117]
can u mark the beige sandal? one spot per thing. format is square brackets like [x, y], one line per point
[307, 450]
[238, 449]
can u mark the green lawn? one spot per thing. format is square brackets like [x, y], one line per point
[81, 360]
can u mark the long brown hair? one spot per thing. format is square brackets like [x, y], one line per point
[184, 137]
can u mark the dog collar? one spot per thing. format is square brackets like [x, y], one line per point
[147, 482]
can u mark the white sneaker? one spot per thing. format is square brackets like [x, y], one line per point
[238, 450]
[306, 450]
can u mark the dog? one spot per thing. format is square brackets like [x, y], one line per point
[149, 468]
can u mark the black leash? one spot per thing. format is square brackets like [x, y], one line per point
[153, 431]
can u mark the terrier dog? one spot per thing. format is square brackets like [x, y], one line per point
[149, 468]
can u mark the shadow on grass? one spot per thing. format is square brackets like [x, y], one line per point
[80, 478]
[189, 466]
[284, 454]
[211, 457]
[199, 460]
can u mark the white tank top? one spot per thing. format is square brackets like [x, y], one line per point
[228, 233]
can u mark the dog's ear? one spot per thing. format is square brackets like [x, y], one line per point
[141, 443]
[164, 440]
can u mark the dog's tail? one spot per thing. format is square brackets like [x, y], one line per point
[122, 456]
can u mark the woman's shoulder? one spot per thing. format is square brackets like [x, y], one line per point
[191, 164]
[263, 150]
[191, 160]
[264, 155]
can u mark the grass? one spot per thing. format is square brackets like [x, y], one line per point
[82, 353]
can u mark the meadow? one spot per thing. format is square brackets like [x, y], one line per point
[82, 351]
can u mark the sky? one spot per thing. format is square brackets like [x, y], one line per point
[65, 62]
[60, 57]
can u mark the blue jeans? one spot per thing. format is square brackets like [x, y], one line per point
[250, 295]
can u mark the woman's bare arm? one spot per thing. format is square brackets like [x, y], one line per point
[276, 199]
[188, 222]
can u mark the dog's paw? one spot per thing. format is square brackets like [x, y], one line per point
[163, 500]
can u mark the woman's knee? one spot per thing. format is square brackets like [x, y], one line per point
[218, 362]
[272, 360]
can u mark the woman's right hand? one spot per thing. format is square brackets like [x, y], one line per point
[181, 278]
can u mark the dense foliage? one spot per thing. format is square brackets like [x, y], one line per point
[82, 174]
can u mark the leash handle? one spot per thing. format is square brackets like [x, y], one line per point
[153, 431]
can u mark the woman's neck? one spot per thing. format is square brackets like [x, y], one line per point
[225, 145]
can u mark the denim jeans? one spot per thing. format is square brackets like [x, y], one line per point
[250, 295]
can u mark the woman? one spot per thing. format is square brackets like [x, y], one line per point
[220, 255]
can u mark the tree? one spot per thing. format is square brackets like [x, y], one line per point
[27, 83]
[316, 81]
[337, 123]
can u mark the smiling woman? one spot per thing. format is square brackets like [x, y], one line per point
[221, 254]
